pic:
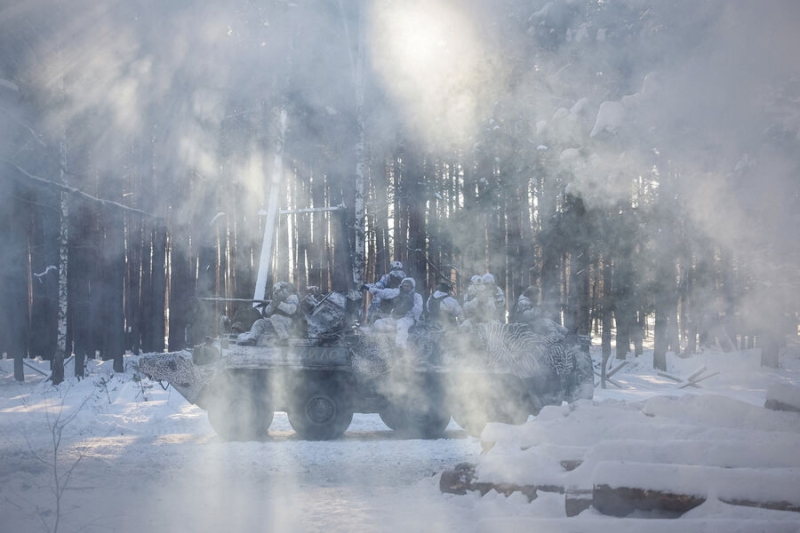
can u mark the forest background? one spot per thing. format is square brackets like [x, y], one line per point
[635, 161]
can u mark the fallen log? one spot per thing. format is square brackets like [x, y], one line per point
[622, 501]
[462, 479]
[783, 397]
[620, 488]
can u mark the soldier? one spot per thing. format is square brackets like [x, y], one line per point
[528, 312]
[496, 293]
[473, 287]
[279, 316]
[406, 310]
[480, 307]
[527, 309]
[441, 307]
[390, 280]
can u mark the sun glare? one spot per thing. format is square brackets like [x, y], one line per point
[432, 62]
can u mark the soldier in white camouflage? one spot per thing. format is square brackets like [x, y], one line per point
[279, 316]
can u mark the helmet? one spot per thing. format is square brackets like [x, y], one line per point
[279, 286]
[409, 282]
[282, 289]
[397, 265]
[476, 279]
[488, 279]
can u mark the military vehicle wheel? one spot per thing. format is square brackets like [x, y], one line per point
[240, 418]
[414, 419]
[321, 411]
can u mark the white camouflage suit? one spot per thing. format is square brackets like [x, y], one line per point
[402, 319]
[278, 315]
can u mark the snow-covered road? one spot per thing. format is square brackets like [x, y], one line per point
[150, 461]
[156, 465]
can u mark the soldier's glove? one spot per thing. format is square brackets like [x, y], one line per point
[364, 288]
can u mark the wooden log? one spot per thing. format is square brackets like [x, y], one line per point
[571, 464]
[577, 501]
[609, 380]
[616, 369]
[458, 480]
[33, 368]
[776, 405]
[622, 501]
[622, 487]
[462, 479]
[669, 376]
[773, 505]
[783, 397]
[691, 381]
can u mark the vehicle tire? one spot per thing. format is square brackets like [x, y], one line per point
[240, 417]
[321, 411]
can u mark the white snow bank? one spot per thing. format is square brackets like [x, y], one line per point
[708, 430]
[593, 524]
[719, 411]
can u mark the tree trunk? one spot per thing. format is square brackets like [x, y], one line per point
[770, 350]
[551, 290]
[133, 236]
[414, 186]
[79, 285]
[728, 330]
[342, 267]
[63, 263]
[158, 288]
[623, 303]
[663, 299]
[361, 155]
[44, 227]
[382, 244]
[607, 310]
[180, 290]
[113, 281]
[317, 260]
[13, 284]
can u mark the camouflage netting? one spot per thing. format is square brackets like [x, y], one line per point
[515, 348]
[373, 355]
[493, 346]
[177, 369]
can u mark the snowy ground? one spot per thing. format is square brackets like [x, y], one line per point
[134, 457]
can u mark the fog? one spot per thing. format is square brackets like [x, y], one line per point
[696, 104]
[709, 86]
[689, 110]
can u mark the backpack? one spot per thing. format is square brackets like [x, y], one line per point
[435, 308]
[403, 303]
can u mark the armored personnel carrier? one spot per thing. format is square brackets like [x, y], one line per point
[335, 367]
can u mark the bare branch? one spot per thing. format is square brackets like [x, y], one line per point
[73, 190]
[24, 125]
